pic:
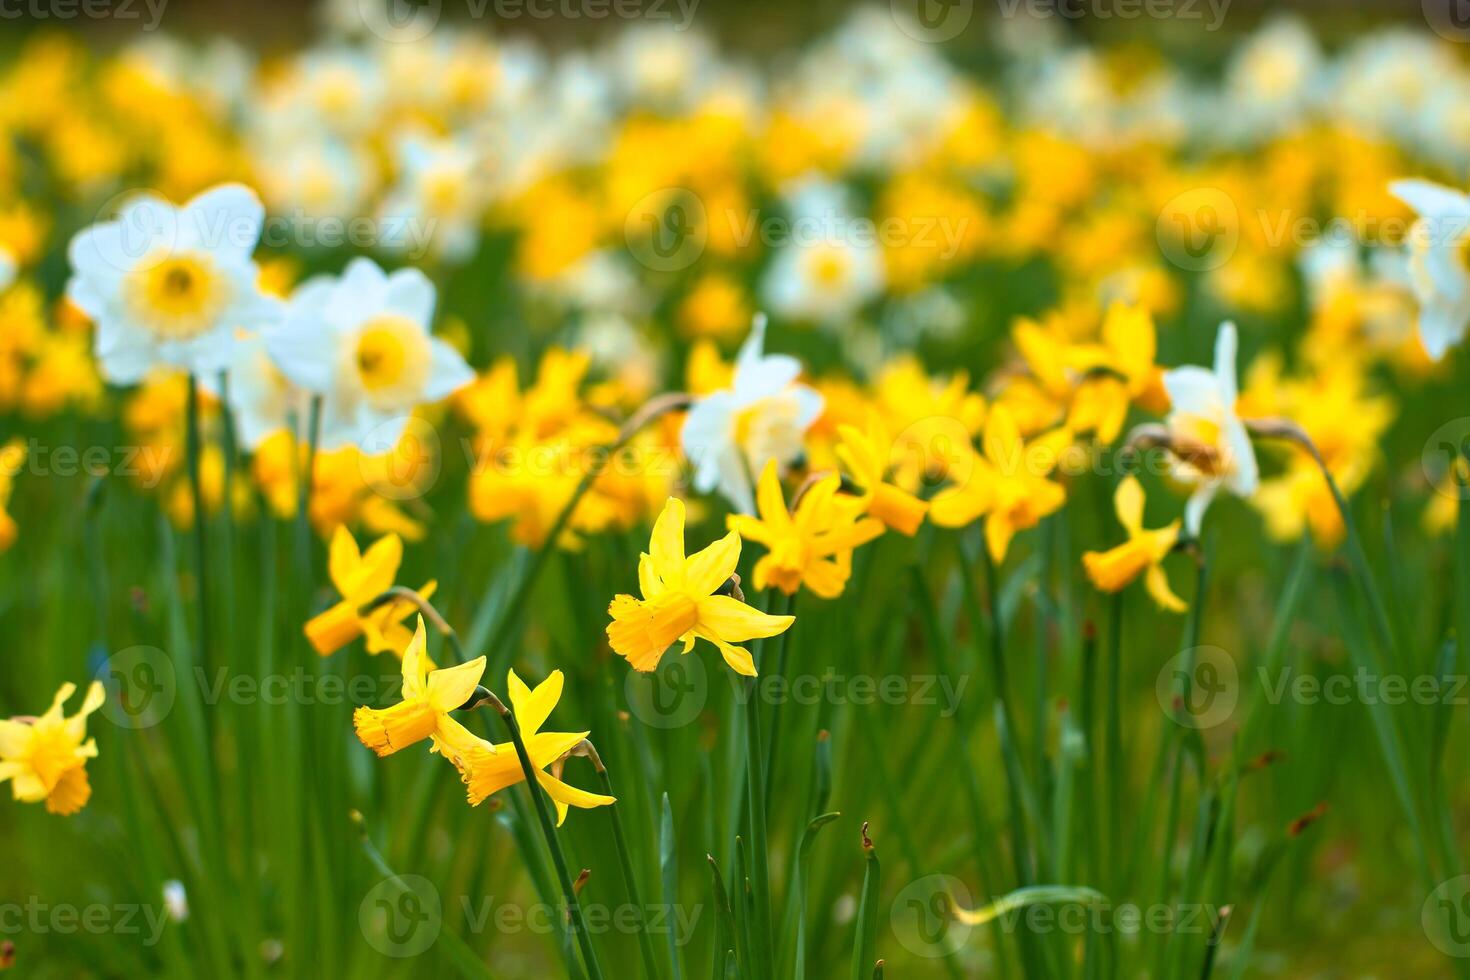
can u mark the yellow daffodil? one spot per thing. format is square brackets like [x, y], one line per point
[1007, 485]
[867, 456]
[487, 769]
[1116, 372]
[681, 601]
[1142, 554]
[814, 545]
[360, 578]
[428, 697]
[45, 758]
[12, 458]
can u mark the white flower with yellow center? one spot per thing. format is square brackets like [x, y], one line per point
[763, 415]
[1439, 261]
[1210, 444]
[262, 400]
[361, 341]
[439, 200]
[823, 281]
[171, 286]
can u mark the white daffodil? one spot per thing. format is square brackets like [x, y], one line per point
[439, 198]
[1439, 261]
[361, 341]
[823, 281]
[262, 400]
[1210, 443]
[171, 286]
[763, 415]
[830, 267]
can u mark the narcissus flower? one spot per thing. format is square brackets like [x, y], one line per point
[361, 341]
[681, 601]
[1007, 485]
[428, 697]
[868, 457]
[1142, 554]
[763, 415]
[171, 285]
[1439, 261]
[1209, 442]
[45, 758]
[814, 545]
[487, 769]
[360, 578]
[1116, 372]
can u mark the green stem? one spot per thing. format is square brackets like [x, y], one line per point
[201, 547]
[782, 646]
[630, 882]
[576, 923]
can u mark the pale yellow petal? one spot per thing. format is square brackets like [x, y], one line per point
[1157, 584]
[343, 558]
[666, 546]
[532, 708]
[709, 569]
[451, 687]
[1128, 502]
[735, 622]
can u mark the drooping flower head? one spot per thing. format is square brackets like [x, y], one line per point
[1210, 445]
[360, 578]
[45, 758]
[1142, 554]
[811, 547]
[868, 456]
[682, 601]
[764, 414]
[361, 341]
[428, 697]
[489, 768]
[1007, 483]
[171, 285]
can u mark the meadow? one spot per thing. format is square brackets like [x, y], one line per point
[961, 495]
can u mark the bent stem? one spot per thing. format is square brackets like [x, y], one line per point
[510, 618]
[1408, 788]
[630, 883]
[402, 593]
[573, 909]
